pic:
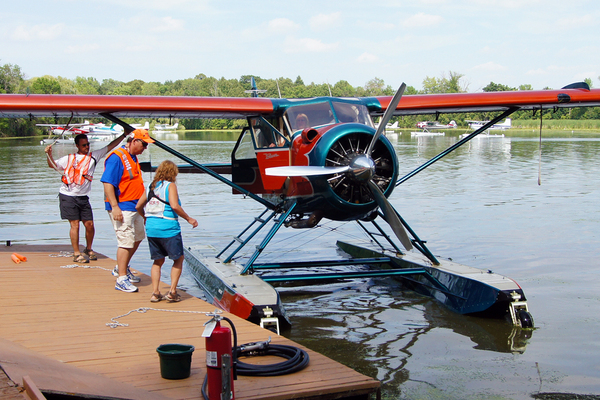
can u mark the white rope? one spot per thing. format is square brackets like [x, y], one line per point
[143, 310]
[84, 266]
[62, 254]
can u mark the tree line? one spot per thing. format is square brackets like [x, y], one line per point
[13, 80]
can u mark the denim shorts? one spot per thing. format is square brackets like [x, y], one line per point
[163, 247]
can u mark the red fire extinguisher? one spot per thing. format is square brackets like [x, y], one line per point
[219, 361]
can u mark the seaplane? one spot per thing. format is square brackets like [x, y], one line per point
[431, 128]
[64, 133]
[507, 124]
[475, 125]
[322, 159]
[166, 127]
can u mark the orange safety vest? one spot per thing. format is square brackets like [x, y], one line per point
[77, 172]
[131, 186]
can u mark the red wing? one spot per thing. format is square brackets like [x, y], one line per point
[493, 101]
[42, 105]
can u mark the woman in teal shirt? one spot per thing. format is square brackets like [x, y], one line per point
[161, 208]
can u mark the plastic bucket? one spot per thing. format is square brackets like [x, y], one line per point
[175, 360]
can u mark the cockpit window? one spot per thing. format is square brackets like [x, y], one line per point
[347, 112]
[320, 114]
[309, 115]
[266, 135]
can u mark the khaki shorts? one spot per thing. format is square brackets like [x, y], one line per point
[129, 231]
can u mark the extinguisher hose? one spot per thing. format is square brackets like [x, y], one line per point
[296, 359]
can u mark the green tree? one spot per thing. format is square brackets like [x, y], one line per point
[376, 87]
[86, 85]
[45, 85]
[11, 78]
[443, 84]
[497, 87]
[110, 86]
[525, 87]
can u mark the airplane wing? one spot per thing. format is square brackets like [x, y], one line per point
[39, 105]
[575, 95]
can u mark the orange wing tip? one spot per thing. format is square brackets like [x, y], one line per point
[20, 257]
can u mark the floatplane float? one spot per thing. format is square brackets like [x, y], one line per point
[306, 160]
[431, 128]
[475, 125]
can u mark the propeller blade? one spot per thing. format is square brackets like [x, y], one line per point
[390, 216]
[304, 170]
[387, 116]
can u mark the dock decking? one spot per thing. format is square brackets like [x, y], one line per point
[54, 330]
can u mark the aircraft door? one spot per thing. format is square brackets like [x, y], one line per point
[272, 150]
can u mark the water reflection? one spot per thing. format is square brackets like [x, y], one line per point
[481, 206]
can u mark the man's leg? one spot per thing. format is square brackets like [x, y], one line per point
[90, 231]
[74, 235]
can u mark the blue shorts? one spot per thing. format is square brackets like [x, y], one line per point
[163, 247]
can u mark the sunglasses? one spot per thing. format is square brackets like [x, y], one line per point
[143, 143]
[84, 144]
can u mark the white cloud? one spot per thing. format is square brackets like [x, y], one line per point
[421, 20]
[322, 22]
[308, 45]
[489, 67]
[368, 58]
[83, 50]
[167, 24]
[41, 32]
[282, 25]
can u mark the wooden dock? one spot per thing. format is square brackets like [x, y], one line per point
[54, 330]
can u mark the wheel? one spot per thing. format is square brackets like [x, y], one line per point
[525, 319]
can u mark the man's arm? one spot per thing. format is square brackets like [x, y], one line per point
[111, 197]
[51, 162]
[116, 142]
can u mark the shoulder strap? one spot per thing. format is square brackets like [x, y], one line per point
[151, 195]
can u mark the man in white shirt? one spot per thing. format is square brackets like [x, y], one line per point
[78, 171]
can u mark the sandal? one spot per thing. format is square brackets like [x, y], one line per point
[173, 297]
[156, 297]
[90, 254]
[80, 258]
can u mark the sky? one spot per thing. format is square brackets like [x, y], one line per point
[543, 43]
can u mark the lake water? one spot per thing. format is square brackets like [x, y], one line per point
[481, 206]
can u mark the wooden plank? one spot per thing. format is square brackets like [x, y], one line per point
[62, 316]
[32, 391]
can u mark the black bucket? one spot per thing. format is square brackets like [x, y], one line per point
[175, 360]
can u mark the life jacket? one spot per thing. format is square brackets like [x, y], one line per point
[156, 206]
[76, 172]
[131, 186]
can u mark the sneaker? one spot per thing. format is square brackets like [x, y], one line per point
[130, 275]
[125, 286]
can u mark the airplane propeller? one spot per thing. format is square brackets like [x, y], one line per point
[361, 169]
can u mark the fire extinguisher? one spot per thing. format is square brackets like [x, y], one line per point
[220, 363]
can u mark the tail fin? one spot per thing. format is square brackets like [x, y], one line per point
[253, 89]
[452, 124]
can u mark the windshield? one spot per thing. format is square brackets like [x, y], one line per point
[319, 114]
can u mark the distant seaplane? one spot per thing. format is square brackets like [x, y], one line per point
[429, 126]
[507, 124]
[166, 127]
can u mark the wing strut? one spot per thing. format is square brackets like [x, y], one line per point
[210, 172]
[456, 145]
